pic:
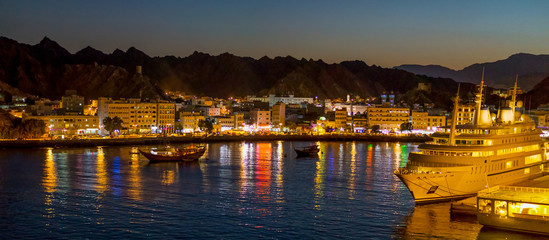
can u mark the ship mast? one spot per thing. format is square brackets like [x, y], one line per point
[514, 99]
[478, 101]
[454, 118]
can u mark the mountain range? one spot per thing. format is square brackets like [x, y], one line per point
[530, 68]
[47, 70]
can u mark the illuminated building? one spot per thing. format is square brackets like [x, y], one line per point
[260, 119]
[166, 117]
[388, 118]
[230, 122]
[190, 120]
[273, 99]
[388, 100]
[464, 114]
[278, 114]
[91, 109]
[212, 111]
[139, 116]
[422, 121]
[360, 123]
[69, 125]
[71, 102]
[340, 118]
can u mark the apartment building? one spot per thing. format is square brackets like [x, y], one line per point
[422, 121]
[388, 118]
[139, 116]
[69, 125]
[278, 114]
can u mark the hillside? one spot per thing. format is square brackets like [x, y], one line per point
[47, 70]
[538, 95]
[530, 68]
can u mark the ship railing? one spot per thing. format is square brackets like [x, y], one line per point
[514, 189]
[435, 168]
[408, 171]
[433, 165]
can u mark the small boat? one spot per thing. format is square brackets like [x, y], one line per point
[309, 151]
[520, 209]
[174, 154]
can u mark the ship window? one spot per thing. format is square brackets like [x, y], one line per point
[501, 207]
[484, 205]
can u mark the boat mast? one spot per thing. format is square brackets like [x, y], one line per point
[454, 118]
[478, 100]
[514, 99]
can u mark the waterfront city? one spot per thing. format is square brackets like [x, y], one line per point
[274, 120]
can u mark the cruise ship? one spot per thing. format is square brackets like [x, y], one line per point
[495, 149]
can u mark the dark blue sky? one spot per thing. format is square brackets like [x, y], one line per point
[387, 33]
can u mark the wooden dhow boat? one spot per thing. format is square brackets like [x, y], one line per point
[309, 151]
[174, 154]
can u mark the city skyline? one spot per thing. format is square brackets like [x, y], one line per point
[387, 34]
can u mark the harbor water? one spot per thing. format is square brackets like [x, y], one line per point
[237, 190]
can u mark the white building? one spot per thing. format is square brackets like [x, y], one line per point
[272, 99]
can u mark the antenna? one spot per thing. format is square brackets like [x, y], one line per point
[454, 118]
[478, 101]
[514, 98]
[482, 79]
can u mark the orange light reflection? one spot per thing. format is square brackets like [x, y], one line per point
[49, 182]
[101, 172]
[135, 190]
[352, 178]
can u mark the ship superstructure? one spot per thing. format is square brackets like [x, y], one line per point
[495, 149]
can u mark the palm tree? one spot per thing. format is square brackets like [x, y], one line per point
[112, 124]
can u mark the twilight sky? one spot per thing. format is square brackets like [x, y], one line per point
[386, 33]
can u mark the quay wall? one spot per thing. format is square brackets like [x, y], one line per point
[209, 139]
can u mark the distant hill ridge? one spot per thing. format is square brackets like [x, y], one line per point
[530, 68]
[47, 70]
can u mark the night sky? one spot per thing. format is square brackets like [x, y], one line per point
[386, 33]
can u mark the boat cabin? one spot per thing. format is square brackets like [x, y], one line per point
[521, 209]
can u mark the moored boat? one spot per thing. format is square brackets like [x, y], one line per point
[308, 151]
[493, 150]
[514, 208]
[174, 154]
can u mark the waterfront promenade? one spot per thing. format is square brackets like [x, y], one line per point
[118, 141]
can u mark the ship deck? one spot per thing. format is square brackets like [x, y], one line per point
[517, 194]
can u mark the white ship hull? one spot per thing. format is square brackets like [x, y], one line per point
[459, 182]
[495, 149]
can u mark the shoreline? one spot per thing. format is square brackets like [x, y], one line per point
[210, 139]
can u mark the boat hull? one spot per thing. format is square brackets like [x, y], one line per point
[514, 224]
[448, 186]
[430, 188]
[175, 158]
[305, 153]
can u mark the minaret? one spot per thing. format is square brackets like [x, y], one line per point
[454, 119]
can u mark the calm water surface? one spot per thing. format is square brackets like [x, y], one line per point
[239, 190]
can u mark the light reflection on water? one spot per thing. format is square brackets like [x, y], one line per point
[237, 190]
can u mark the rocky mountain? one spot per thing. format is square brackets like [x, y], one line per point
[47, 70]
[531, 69]
[538, 95]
